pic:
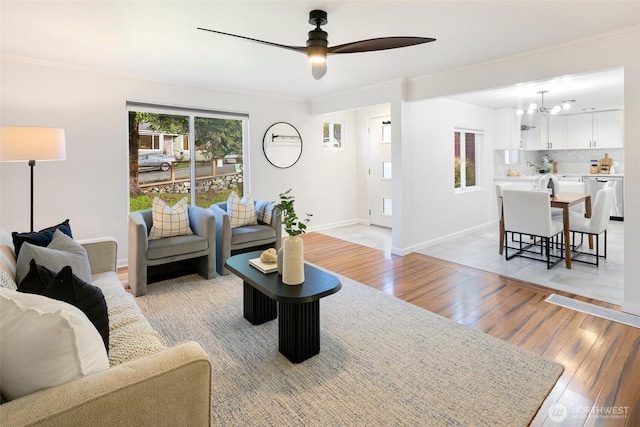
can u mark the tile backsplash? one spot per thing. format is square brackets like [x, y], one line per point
[569, 161]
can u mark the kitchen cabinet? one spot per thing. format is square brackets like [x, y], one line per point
[608, 129]
[558, 132]
[535, 132]
[602, 129]
[506, 129]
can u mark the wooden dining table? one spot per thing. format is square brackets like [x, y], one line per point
[563, 201]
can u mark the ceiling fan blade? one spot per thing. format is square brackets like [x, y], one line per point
[382, 43]
[294, 48]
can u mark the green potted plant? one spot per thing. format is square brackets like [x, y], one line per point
[545, 165]
[293, 226]
[291, 257]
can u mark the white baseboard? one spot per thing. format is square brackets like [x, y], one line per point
[426, 244]
[323, 227]
[409, 249]
[631, 308]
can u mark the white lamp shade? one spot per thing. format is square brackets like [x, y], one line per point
[31, 143]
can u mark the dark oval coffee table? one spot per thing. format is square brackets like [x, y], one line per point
[299, 305]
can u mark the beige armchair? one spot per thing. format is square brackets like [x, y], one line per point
[147, 257]
[230, 241]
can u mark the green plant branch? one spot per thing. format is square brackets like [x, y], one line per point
[293, 225]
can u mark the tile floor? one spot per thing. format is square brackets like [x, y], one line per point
[479, 249]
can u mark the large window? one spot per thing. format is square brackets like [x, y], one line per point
[176, 153]
[466, 143]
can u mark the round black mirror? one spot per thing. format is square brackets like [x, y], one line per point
[282, 145]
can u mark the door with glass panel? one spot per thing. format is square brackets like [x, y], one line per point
[379, 172]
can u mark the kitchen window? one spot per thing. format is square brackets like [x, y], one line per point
[466, 148]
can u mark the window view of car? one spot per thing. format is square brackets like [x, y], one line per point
[232, 158]
[154, 161]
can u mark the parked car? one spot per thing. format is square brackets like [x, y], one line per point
[232, 158]
[155, 161]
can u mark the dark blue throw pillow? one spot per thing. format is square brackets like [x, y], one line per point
[39, 238]
[66, 286]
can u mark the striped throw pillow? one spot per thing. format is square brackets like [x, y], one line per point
[169, 221]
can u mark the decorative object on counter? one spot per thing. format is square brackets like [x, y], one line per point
[605, 164]
[594, 166]
[545, 165]
[292, 252]
[554, 185]
[555, 167]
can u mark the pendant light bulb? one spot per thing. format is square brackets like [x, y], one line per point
[318, 69]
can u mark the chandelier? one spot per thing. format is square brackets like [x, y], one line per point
[534, 109]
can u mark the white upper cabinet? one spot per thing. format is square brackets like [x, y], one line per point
[581, 131]
[535, 132]
[506, 129]
[607, 129]
[558, 132]
[596, 130]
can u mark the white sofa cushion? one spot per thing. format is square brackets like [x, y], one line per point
[130, 334]
[44, 343]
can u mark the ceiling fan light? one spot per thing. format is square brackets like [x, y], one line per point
[519, 111]
[533, 106]
[318, 69]
[556, 109]
[317, 54]
[566, 105]
[317, 59]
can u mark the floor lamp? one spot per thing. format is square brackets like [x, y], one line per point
[21, 144]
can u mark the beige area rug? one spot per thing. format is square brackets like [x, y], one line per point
[382, 362]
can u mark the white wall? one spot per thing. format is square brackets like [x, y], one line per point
[434, 208]
[91, 186]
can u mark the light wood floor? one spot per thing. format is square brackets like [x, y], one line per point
[601, 358]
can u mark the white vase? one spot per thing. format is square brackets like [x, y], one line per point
[279, 259]
[293, 261]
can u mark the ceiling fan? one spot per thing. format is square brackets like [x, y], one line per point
[317, 47]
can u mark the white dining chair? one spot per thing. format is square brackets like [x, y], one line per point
[594, 226]
[529, 212]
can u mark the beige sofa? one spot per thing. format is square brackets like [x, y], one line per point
[146, 383]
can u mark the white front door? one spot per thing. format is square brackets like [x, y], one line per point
[379, 178]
